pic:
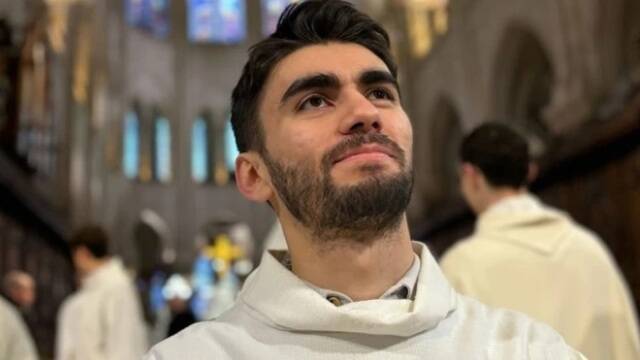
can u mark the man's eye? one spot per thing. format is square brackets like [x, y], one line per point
[313, 102]
[380, 94]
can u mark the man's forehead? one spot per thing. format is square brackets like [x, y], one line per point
[347, 61]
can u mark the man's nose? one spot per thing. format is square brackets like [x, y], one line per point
[362, 115]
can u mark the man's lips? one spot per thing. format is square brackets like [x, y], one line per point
[372, 149]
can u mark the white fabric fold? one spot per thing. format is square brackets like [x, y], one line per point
[273, 285]
[278, 316]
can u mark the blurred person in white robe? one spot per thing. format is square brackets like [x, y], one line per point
[19, 289]
[527, 256]
[15, 341]
[103, 319]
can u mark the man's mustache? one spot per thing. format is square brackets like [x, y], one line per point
[357, 140]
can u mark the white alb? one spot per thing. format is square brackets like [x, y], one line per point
[278, 316]
[15, 341]
[103, 320]
[534, 259]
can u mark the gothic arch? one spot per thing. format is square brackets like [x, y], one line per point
[524, 83]
[151, 235]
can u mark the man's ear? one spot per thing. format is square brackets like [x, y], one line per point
[252, 177]
[473, 174]
[466, 170]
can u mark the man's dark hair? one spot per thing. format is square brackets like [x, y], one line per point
[301, 24]
[499, 152]
[92, 237]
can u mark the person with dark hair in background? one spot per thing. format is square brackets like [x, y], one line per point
[181, 315]
[177, 293]
[529, 257]
[103, 319]
[325, 141]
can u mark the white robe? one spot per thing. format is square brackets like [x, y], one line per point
[278, 316]
[531, 258]
[15, 341]
[103, 320]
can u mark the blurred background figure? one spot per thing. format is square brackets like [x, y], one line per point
[178, 293]
[19, 288]
[223, 263]
[526, 256]
[218, 272]
[15, 341]
[117, 113]
[103, 319]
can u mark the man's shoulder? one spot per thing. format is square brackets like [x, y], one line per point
[71, 301]
[200, 339]
[118, 282]
[462, 251]
[210, 337]
[508, 330]
[8, 311]
[507, 323]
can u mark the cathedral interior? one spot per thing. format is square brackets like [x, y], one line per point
[118, 113]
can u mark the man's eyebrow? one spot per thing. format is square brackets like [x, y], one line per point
[371, 77]
[313, 81]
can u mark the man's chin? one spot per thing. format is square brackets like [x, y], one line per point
[366, 174]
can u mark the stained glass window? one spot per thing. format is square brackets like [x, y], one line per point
[217, 21]
[271, 10]
[200, 150]
[131, 145]
[149, 15]
[230, 148]
[162, 145]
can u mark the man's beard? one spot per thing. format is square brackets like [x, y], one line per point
[362, 212]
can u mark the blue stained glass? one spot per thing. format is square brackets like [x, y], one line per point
[203, 281]
[131, 145]
[163, 149]
[230, 148]
[150, 15]
[156, 299]
[199, 151]
[133, 11]
[271, 10]
[217, 21]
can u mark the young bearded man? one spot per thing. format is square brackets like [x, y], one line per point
[529, 257]
[325, 141]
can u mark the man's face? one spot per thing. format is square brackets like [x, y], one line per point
[24, 293]
[338, 143]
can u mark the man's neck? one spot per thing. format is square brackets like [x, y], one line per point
[360, 271]
[96, 264]
[499, 194]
